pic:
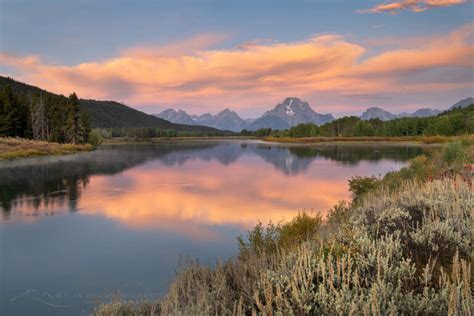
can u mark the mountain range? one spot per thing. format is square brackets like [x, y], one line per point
[383, 115]
[291, 112]
[463, 103]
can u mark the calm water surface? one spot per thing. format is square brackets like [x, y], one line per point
[77, 229]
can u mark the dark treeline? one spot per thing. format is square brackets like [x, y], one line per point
[450, 123]
[151, 132]
[42, 116]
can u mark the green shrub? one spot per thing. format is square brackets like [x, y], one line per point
[358, 186]
[337, 216]
[259, 240]
[270, 239]
[95, 138]
[454, 156]
[299, 229]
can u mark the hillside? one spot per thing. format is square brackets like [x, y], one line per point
[269, 121]
[106, 114]
[463, 103]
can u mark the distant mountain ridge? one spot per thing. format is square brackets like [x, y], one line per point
[463, 103]
[377, 113]
[383, 115]
[291, 112]
[179, 117]
[224, 120]
[425, 112]
[294, 111]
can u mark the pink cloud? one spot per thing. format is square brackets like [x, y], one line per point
[256, 75]
[412, 5]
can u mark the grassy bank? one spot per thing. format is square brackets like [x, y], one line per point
[15, 148]
[402, 245]
[371, 139]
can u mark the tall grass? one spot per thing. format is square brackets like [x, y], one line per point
[391, 251]
[14, 148]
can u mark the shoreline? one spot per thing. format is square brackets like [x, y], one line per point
[363, 141]
[20, 148]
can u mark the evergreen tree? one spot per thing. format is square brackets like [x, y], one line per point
[84, 127]
[72, 127]
[12, 114]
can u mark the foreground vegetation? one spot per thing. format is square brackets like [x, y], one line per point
[14, 148]
[401, 246]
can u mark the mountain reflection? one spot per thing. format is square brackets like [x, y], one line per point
[164, 185]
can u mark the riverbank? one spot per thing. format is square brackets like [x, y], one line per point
[402, 245]
[373, 139]
[16, 148]
[407, 140]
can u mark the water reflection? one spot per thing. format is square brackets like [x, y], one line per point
[166, 185]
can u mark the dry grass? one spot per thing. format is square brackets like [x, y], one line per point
[15, 148]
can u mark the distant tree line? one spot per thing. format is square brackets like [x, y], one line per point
[450, 123]
[43, 116]
[151, 132]
[262, 132]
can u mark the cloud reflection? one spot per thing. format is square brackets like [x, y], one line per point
[193, 190]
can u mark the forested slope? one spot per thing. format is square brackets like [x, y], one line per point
[102, 114]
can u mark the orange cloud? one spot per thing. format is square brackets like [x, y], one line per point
[255, 74]
[412, 5]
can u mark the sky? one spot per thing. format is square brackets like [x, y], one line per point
[247, 55]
